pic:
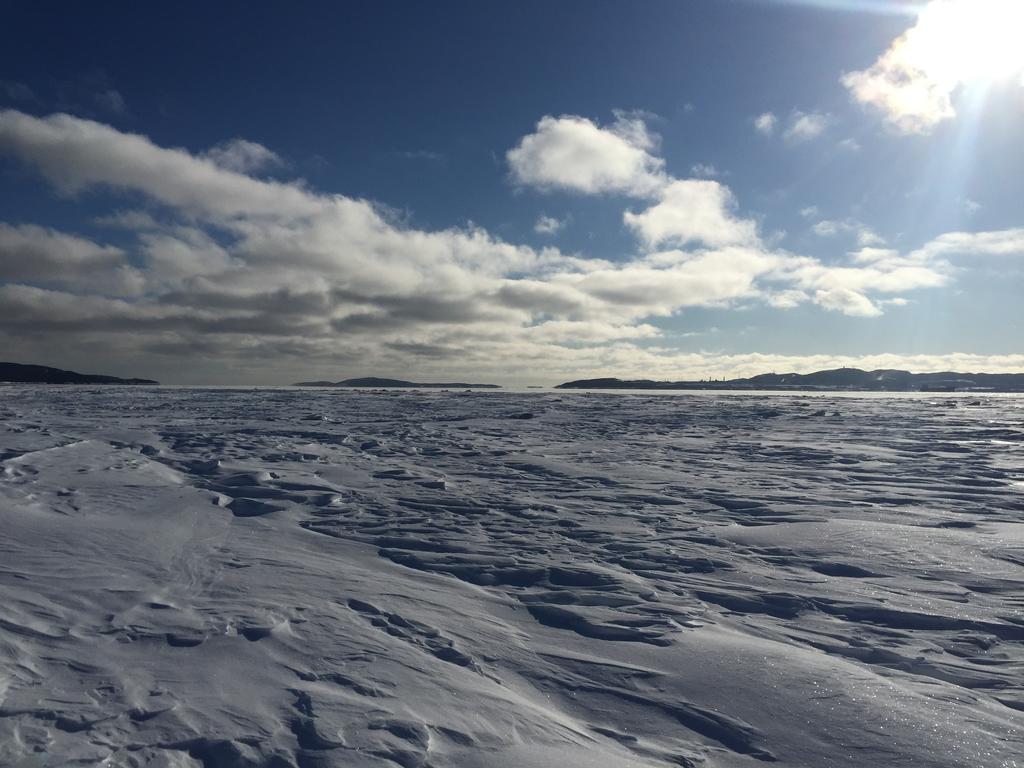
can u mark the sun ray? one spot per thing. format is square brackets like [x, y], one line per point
[886, 7]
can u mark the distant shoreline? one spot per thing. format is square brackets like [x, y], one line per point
[833, 380]
[16, 373]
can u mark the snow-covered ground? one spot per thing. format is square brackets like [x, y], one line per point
[336, 578]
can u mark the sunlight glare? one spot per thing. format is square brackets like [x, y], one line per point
[968, 41]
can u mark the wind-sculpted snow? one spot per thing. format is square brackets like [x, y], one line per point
[313, 578]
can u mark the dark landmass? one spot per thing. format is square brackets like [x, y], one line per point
[371, 382]
[846, 379]
[41, 374]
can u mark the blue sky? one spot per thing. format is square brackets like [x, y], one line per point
[524, 192]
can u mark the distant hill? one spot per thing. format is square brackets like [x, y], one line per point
[848, 379]
[41, 374]
[371, 382]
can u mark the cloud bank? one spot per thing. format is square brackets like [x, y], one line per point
[255, 279]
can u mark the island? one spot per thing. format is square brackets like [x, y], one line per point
[372, 382]
[840, 379]
[16, 373]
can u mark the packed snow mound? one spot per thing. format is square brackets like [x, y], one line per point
[312, 578]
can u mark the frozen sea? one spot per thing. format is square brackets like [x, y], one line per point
[310, 578]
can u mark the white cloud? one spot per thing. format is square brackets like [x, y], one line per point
[575, 154]
[589, 331]
[804, 126]
[865, 235]
[253, 273]
[671, 280]
[911, 103]
[74, 153]
[952, 43]
[800, 126]
[788, 299]
[826, 228]
[184, 253]
[692, 211]
[31, 253]
[705, 171]
[548, 225]
[242, 156]
[809, 212]
[847, 301]
[867, 255]
[884, 275]
[765, 123]
[1006, 242]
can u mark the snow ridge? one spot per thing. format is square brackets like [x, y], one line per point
[345, 578]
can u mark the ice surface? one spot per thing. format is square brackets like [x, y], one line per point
[340, 578]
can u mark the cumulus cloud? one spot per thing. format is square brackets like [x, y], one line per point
[1006, 242]
[73, 154]
[765, 123]
[825, 228]
[894, 274]
[799, 127]
[574, 153]
[864, 234]
[869, 254]
[847, 301]
[31, 253]
[242, 272]
[548, 225]
[867, 236]
[242, 156]
[668, 281]
[691, 211]
[953, 42]
[804, 126]
[788, 299]
[911, 103]
[705, 171]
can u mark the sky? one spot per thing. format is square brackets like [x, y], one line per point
[518, 193]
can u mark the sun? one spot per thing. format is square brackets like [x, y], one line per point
[967, 41]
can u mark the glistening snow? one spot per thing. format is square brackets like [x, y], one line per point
[321, 578]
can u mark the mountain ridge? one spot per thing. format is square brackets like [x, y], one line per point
[848, 379]
[18, 373]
